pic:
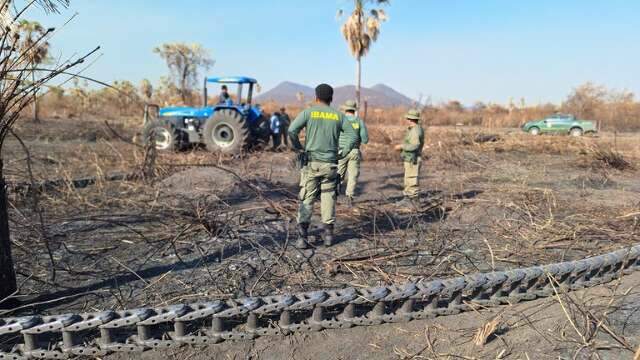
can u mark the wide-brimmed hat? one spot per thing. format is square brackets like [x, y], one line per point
[413, 114]
[350, 105]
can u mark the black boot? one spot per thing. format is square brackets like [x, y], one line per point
[303, 236]
[327, 234]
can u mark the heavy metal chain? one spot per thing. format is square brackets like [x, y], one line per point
[137, 330]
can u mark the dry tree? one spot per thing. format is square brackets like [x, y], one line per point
[184, 62]
[17, 86]
[146, 89]
[30, 31]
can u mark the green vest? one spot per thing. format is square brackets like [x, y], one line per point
[354, 134]
[412, 144]
[322, 126]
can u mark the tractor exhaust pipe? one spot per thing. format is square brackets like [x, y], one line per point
[204, 93]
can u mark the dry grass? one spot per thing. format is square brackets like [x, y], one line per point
[483, 333]
[614, 111]
[609, 158]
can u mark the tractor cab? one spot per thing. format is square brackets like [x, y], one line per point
[240, 103]
[240, 81]
[222, 124]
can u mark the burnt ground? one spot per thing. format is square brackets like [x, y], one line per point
[209, 227]
[541, 329]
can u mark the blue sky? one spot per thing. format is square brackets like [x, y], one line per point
[471, 50]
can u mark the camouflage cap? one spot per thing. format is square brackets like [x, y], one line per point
[350, 105]
[413, 114]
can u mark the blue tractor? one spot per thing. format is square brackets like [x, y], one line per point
[225, 127]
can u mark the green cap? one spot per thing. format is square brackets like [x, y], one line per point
[413, 114]
[350, 105]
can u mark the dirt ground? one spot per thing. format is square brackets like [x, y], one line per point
[209, 227]
[541, 329]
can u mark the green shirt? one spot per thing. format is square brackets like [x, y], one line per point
[355, 133]
[413, 143]
[284, 120]
[322, 126]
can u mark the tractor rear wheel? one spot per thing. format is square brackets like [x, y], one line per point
[165, 135]
[227, 132]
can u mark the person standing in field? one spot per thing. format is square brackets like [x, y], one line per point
[354, 135]
[285, 121]
[319, 173]
[411, 153]
[276, 130]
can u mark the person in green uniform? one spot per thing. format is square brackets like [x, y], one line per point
[285, 120]
[411, 151]
[319, 175]
[354, 135]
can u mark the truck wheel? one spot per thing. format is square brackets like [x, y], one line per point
[575, 132]
[165, 135]
[227, 132]
[534, 131]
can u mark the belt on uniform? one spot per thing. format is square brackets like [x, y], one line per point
[311, 159]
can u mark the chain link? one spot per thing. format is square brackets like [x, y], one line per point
[100, 333]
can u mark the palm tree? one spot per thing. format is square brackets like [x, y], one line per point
[300, 97]
[36, 48]
[361, 30]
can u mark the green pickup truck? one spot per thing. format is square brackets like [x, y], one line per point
[560, 124]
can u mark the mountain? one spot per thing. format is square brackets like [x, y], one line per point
[393, 94]
[286, 93]
[380, 96]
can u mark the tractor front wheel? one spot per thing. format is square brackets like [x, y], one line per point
[227, 132]
[165, 136]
